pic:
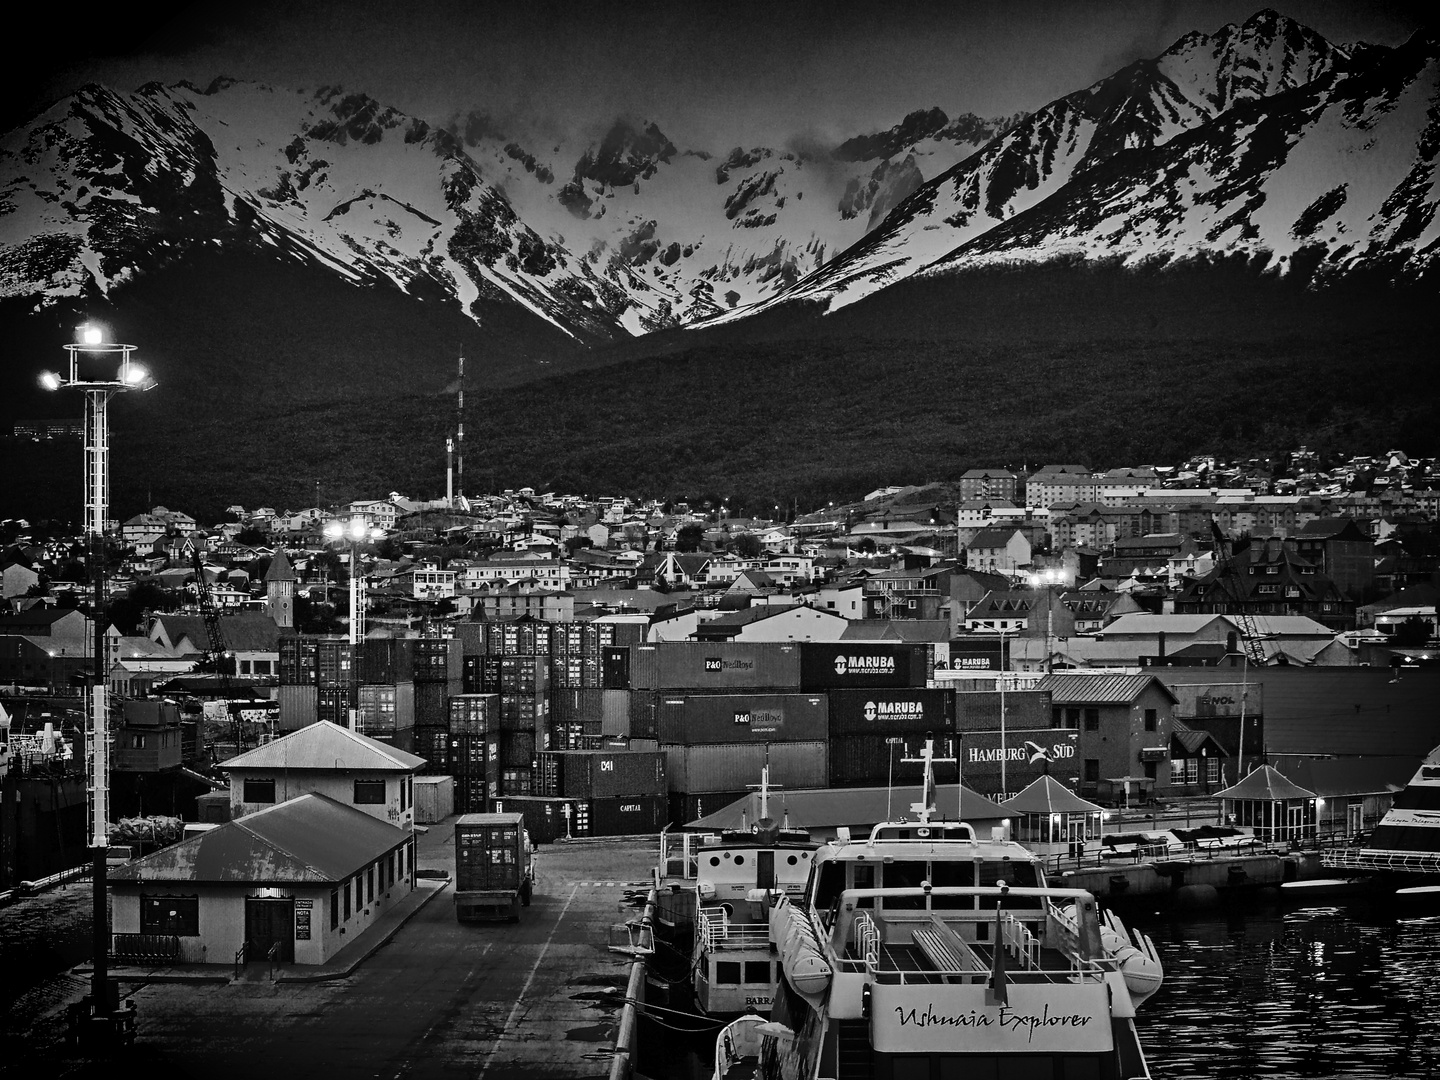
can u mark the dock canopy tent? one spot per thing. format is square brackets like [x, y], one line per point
[1047, 812]
[1272, 806]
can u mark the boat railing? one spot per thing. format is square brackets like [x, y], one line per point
[716, 931]
[1022, 944]
[1380, 859]
[867, 939]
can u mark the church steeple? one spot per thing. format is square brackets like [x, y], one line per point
[280, 591]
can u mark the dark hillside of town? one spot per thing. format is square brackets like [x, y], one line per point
[917, 384]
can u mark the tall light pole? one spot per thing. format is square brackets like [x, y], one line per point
[101, 370]
[354, 532]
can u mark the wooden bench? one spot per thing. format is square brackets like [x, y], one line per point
[145, 949]
[944, 948]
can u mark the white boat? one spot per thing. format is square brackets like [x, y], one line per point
[924, 951]
[1402, 855]
[737, 1047]
[736, 877]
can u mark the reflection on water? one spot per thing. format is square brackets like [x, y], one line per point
[1262, 990]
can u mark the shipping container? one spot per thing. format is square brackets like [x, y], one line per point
[524, 675]
[981, 710]
[686, 665]
[890, 711]
[644, 714]
[524, 712]
[630, 815]
[434, 799]
[628, 630]
[520, 639]
[735, 766]
[685, 808]
[385, 660]
[832, 665]
[474, 714]
[494, 866]
[516, 782]
[298, 659]
[297, 706]
[517, 750]
[433, 744]
[432, 704]
[1027, 754]
[474, 637]
[874, 760]
[471, 755]
[333, 665]
[333, 705]
[569, 703]
[436, 659]
[697, 719]
[574, 734]
[480, 675]
[546, 819]
[575, 672]
[375, 714]
[587, 774]
[615, 668]
[615, 712]
[622, 742]
[472, 794]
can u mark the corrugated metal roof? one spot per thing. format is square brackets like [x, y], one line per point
[324, 745]
[826, 808]
[1098, 689]
[1331, 777]
[309, 840]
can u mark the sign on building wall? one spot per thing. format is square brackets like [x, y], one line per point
[302, 919]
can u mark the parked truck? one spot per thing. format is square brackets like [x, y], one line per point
[494, 866]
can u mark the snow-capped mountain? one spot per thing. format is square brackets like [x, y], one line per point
[710, 232]
[1341, 179]
[1251, 138]
[616, 237]
[105, 186]
[1261, 138]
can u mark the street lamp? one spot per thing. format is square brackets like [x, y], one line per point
[1047, 579]
[101, 369]
[354, 532]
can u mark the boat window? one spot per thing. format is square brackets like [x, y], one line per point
[727, 973]
[757, 971]
[864, 877]
[952, 875]
[1019, 875]
[1416, 797]
[830, 886]
[714, 860]
[904, 875]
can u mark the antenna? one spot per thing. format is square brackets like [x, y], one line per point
[460, 432]
[926, 806]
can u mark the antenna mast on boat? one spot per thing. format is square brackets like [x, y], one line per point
[926, 806]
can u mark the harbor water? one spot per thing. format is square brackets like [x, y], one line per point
[1253, 988]
[1258, 988]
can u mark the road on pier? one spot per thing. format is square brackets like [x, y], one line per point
[539, 998]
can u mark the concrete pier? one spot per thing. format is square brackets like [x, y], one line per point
[539, 999]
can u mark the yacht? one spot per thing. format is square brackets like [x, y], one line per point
[926, 951]
[1402, 855]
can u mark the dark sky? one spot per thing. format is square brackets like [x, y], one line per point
[712, 76]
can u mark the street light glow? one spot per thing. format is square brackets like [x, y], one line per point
[49, 380]
[134, 374]
[91, 335]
